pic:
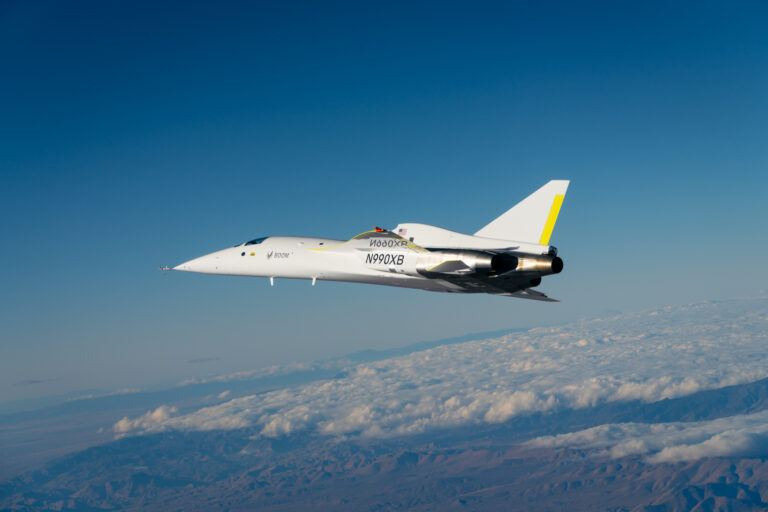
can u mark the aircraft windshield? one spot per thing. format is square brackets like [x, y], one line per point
[256, 241]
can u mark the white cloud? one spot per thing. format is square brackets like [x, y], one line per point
[151, 421]
[666, 353]
[269, 371]
[740, 436]
[217, 397]
[123, 391]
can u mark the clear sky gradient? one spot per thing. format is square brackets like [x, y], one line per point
[137, 135]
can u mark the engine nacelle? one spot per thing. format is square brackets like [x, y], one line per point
[468, 262]
[544, 265]
[456, 262]
[503, 262]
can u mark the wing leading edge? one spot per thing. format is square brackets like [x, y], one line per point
[530, 295]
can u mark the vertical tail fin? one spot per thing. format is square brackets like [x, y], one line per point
[532, 219]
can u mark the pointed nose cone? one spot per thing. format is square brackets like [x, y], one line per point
[190, 266]
[208, 264]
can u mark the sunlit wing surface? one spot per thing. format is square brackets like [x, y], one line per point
[510, 283]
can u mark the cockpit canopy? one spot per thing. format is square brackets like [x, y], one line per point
[254, 241]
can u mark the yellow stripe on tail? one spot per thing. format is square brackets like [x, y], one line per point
[551, 219]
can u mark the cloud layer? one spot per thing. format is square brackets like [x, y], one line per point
[666, 353]
[743, 435]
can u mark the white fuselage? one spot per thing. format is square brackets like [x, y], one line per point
[386, 261]
[311, 258]
[414, 255]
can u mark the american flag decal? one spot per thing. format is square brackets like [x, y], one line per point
[402, 231]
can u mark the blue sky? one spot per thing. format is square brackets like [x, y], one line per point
[136, 135]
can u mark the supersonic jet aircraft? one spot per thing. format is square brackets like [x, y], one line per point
[507, 257]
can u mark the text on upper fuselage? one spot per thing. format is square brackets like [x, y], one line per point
[387, 242]
[277, 255]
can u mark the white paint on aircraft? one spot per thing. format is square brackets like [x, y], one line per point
[507, 257]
